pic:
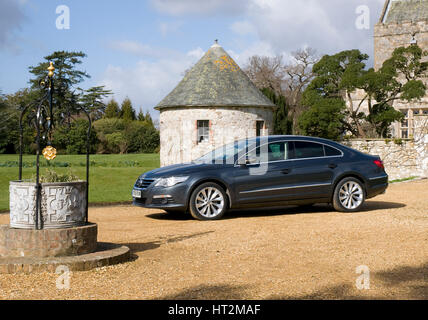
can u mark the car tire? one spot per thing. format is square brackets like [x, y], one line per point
[349, 195]
[208, 202]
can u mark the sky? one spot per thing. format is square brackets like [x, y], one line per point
[140, 49]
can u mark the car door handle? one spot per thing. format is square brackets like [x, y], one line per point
[332, 166]
[285, 171]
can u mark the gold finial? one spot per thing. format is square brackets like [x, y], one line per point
[51, 70]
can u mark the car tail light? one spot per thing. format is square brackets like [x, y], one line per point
[379, 163]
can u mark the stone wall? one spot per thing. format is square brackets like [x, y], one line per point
[178, 129]
[402, 158]
[388, 37]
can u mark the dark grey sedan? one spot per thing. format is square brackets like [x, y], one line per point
[264, 172]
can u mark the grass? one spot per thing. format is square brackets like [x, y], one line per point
[404, 179]
[111, 176]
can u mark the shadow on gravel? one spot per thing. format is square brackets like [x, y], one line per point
[290, 210]
[399, 283]
[213, 292]
[381, 205]
[140, 247]
[170, 216]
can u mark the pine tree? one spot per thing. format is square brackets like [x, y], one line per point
[112, 110]
[127, 112]
[141, 116]
[148, 118]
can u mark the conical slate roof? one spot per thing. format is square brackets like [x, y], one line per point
[397, 11]
[216, 80]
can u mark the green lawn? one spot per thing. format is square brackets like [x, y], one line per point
[111, 176]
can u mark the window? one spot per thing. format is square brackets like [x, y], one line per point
[331, 152]
[404, 134]
[203, 130]
[276, 151]
[304, 150]
[259, 128]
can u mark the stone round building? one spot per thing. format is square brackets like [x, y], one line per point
[215, 103]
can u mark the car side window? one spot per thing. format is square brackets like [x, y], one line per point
[304, 149]
[331, 152]
[276, 151]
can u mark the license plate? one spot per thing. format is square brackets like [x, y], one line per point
[136, 193]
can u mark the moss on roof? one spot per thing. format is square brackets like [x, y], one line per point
[216, 80]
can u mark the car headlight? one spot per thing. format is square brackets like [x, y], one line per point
[170, 181]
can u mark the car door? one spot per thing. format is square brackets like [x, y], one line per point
[267, 177]
[313, 171]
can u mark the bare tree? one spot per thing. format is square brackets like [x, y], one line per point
[298, 74]
[266, 72]
[289, 80]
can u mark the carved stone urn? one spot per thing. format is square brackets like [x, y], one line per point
[63, 204]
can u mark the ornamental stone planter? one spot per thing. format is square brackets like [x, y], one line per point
[62, 204]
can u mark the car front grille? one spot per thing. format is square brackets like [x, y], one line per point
[144, 183]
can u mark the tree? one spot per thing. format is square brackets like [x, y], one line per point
[284, 80]
[72, 139]
[339, 75]
[127, 111]
[141, 116]
[298, 75]
[266, 72]
[282, 125]
[112, 110]
[12, 105]
[149, 119]
[66, 77]
[92, 101]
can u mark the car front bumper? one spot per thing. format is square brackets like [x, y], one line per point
[174, 197]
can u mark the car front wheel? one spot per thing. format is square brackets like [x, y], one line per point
[349, 195]
[208, 202]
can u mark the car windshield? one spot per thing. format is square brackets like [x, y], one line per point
[226, 153]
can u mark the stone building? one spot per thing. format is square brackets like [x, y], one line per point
[402, 23]
[215, 103]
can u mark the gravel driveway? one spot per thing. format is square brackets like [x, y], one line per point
[281, 254]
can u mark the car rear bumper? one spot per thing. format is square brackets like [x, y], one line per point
[377, 185]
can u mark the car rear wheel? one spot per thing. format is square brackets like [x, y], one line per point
[208, 202]
[349, 195]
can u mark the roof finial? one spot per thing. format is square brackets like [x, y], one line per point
[215, 45]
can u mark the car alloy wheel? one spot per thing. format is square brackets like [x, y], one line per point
[208, 202]
[349, 195]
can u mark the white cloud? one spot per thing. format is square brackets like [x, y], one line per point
[328, 26]
[148, 82]
[243, 28]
